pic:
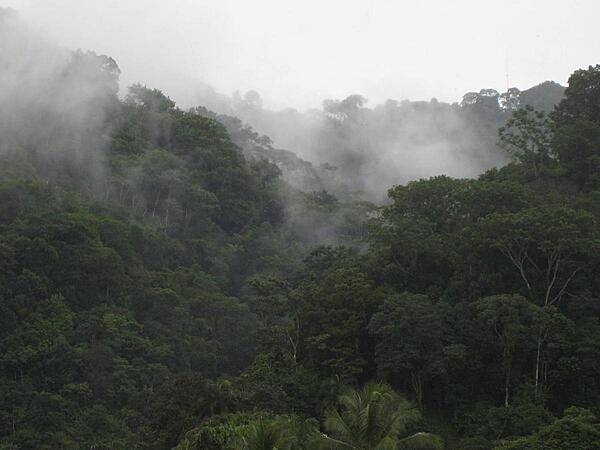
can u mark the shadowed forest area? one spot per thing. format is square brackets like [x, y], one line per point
[234, 277]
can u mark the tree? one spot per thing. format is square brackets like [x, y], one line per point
[486, 100]
[265, 435]
[582, 97]
[176, 406]
[411, 239]
[510, 100]
[409, 330]
[578, 429]
[547, 248]
[577, 134]
[347, 109]
[278, 316]
[252, 100]
[577, 144]
[335, 301]
[527, 136]
[253, 431]
[512, 319]
[544, 96]
[149, 99]
[374, 418]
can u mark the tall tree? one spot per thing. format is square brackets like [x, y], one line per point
[512, 319]
[548, 248]
[527, 136]
[410, 330]
[577, 134]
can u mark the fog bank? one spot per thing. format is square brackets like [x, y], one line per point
[297, 53]
[53, 102]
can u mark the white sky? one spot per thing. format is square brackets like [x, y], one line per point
[298, 52]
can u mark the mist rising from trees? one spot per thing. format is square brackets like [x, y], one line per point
[53, 101]
[172, 278]
[364, 150]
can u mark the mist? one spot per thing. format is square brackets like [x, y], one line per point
[352, 138]
[358, 151]
[296, 54]
[53, 103]
[284, 224]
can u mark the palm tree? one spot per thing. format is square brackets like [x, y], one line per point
[374, 418]
[266, 435]
[279, 433]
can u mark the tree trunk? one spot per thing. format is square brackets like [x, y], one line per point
[417, 384]
[537, 359]
[507, 387]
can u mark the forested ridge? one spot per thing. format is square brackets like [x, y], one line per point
[359, 150]
[163, 286]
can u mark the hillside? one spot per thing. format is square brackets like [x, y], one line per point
[395, 142]
[175, 279]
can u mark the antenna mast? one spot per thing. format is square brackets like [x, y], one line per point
[507, 79]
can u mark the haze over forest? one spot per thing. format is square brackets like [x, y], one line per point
[296, 54]
[236, 41]
[299, 225]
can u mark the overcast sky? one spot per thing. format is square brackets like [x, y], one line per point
[298, 52]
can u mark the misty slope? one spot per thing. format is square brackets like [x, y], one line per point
[162, 287]
[396, 142]
[128, 232]
[299, 174]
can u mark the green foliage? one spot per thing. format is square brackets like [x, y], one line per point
[576, 143]
[252, 431]
[335, 302]
[153, 292]
[110, 301]
[577, 133]
[578, 429]
[410, 339]
[374, 417]
[491, 423]
[512, 319]
[527, 137]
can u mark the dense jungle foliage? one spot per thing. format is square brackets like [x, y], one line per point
[159, 289]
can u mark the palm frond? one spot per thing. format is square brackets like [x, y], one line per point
[421, 441]
[339, 426]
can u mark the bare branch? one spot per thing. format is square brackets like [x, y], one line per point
[562, 291]
[551, 282]
[518, 262]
